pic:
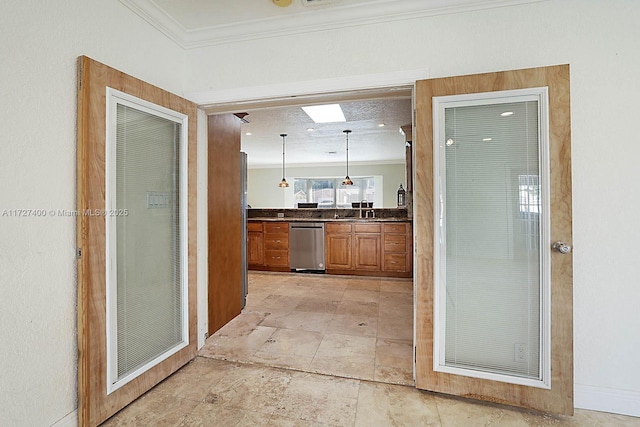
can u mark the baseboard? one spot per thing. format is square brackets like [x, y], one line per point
[607, 400]
[70, 420]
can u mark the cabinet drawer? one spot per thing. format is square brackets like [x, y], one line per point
[400, 228]
[395, 262]
[332, 227]
[276, 227]
[366, 228]
[395, 243]
[276, 258]
[276, 241]
[254, 226]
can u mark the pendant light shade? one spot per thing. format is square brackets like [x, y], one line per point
[284, 182]
[347, 180]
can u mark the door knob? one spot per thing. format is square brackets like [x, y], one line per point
[562, 247]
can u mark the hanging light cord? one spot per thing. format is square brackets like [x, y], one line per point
[283, 135]
[347, 180]
[347, 152]
[284, 182]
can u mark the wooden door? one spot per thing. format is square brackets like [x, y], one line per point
[559, 398]
[224, 220]
[95, 404]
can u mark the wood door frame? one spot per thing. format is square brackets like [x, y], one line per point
[94, 405]
[560, 398]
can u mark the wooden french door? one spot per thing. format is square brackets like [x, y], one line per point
[557, 398]
[97, 398]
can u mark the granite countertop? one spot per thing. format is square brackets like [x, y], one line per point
[331, 219]
[329, 215]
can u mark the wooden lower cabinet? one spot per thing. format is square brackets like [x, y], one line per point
[338, 248]
[397, 248]
[255, 244]
[268, 245]
[356, 248]
[369, 249]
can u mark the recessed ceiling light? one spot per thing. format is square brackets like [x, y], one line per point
[506, 113]
[325, 113]
[381, 125]
[487, 139]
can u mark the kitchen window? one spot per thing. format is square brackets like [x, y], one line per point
[330, 193]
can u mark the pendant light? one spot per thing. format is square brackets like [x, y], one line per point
[284, 182]
[347, 180]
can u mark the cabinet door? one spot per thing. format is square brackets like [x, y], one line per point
[255, 248]
[338, 252]
[367, 252]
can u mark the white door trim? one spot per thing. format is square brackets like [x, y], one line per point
[307, 87]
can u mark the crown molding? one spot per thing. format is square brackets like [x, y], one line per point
[373, 12]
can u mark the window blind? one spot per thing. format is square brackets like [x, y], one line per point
[492, 262]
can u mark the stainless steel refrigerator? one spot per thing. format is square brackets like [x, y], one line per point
[244, 204]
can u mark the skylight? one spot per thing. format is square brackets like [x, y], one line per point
[325, 113]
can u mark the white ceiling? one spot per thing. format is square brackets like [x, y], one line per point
[326, 144]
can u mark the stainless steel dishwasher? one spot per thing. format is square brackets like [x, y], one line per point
[306, 246]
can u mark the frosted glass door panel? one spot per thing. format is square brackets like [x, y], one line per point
[147, 194]
[491, 238]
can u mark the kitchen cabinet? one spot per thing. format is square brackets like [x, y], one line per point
[397, 247]
[268, 245]
[338, 246]
[367, 247]
[255, 244]
[375, 248]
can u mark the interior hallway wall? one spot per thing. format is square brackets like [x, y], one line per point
[40, 42]
[600, 42]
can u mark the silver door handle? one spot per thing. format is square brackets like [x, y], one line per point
[562, 247]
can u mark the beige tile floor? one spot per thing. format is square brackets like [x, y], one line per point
[304, 352]
[350, 327]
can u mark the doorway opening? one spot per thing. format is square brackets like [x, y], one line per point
[350, 326]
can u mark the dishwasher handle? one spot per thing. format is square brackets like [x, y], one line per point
[315, 225]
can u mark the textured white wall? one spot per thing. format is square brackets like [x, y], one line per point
[600, 41]
[40, 42]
